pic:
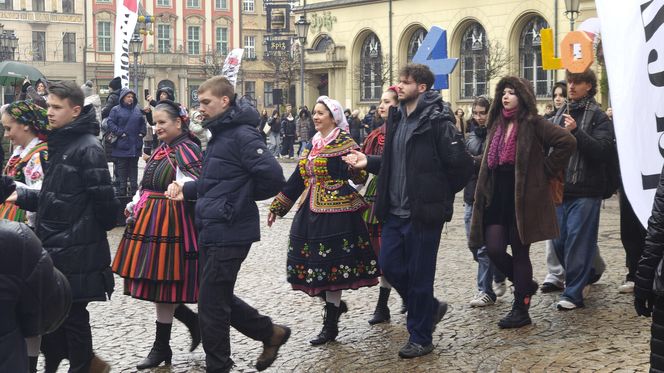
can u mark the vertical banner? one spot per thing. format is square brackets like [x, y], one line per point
[232, 65]
[125, 22]
[633, 42]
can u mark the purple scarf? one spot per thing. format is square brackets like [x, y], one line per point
[500, 151]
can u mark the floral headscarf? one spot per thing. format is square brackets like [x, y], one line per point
[29, 114]
[337, 111]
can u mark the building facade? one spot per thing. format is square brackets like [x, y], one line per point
[355, 47]
[185, 44]
[51, 36]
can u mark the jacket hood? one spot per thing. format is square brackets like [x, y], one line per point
[86, 123]
[169, 92]
[123, 93]
[241, 112]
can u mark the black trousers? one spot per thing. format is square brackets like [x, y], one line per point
[72, 341]
[632, 235]
[219, 308]
[127, 172]
[657, 337]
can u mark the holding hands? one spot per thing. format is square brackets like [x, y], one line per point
[174, 191]
[356, 160]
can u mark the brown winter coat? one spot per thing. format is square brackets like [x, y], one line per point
[535, 211]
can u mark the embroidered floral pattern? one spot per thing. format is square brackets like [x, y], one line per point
[281, 205]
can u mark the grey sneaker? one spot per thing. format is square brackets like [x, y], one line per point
[500, 288]
[411, 350]
[627, 287]
[482, 299]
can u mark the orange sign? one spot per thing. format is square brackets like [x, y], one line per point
[567, 58]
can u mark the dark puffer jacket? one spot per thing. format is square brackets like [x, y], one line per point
[237, 171]
[112, 101]
[427, 163]
[75, 208]
[128, 124]
[475, 145]
[653, 254]
[34, 296]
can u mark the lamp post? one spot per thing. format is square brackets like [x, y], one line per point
[135, 45]
[572, 11]
[8, 44]
[302, 29]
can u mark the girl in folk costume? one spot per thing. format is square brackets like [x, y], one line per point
[329, 248]
[158, 253]
[25, 125]
[373, 145]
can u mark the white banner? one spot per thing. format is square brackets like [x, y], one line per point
[232, 65]
[633, 41]
[125, 22]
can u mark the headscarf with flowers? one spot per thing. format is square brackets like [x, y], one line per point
[29, 114]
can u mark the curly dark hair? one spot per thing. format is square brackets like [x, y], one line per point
[587, 76]
[523, 89]
[421, 74]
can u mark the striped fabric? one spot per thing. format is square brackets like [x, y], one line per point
[11, 212]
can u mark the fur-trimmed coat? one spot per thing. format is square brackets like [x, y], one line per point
[535, 211]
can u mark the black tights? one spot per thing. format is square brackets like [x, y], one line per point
[516, 267]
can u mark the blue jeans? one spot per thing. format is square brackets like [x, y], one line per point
[486, 270]
[303, 144]
[408, 259]
[576, 247]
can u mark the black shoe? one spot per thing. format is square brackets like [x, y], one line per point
[411, 350]
[382, 311]
[279, 337]
[190, 319]
[161, 350]
[330, 325]
[548, 287]
[439, 313]
[518, 315]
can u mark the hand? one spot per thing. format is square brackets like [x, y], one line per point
[643, 306]
[148, 98]
[12, 197]
[570, 123]
[147, 108]
[271, 217]
[127, 213]
[174, 191]
[356, 160]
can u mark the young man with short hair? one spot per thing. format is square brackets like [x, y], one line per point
[237, 171]
[75, 207]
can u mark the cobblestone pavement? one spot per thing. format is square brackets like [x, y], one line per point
[606, 336]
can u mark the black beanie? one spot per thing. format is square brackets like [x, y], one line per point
[115, 84]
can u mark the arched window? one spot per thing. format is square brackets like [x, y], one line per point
[474, 56]
[323, 43]
[414, 43]
[371, 68]
[530, 56]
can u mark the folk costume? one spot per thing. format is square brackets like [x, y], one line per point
[158, 253]
[373, 145]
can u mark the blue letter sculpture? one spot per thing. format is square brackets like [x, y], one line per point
[433, 53]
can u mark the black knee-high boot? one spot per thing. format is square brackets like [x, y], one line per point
[161, 349]
[190, 319]
[330, 325]
[382, 311]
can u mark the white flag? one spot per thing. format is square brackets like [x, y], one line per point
[632, 37]
[125, 22]
[232, 65]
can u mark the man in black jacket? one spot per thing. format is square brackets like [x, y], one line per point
[414, 199]
[113, 98]
[75, 207]
[237, 171]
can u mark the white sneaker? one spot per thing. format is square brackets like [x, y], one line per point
[500, 288]
[565, 305]
[627, 287]
[482, 299]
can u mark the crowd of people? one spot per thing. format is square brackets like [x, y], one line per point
[371, 196]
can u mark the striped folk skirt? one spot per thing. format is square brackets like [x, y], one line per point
[10, 211]
[158, 254]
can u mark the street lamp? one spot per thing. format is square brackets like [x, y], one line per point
[572, 11]
[135, 45]
[302, 29]
[8, 44]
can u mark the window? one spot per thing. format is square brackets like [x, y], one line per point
[6, 4]
[104, 36]
[250, 89]
[248, 5]
[250, 47]
[267, 94]
[221, 4]
[163, 38]
[67, 6]
[193, 40]
[193, 3]
[415, 42]
[474, 56]
[69, 47]
[530, 57]
[371, 67]
[222, 40]
[164, 3]
[37, 5]
[323, 43]
[38, 46]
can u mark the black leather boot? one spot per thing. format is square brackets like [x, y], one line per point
[518, 316]
[161, 349]
[190, 319]
[330, 325]
[382, 311]
[32, 364]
